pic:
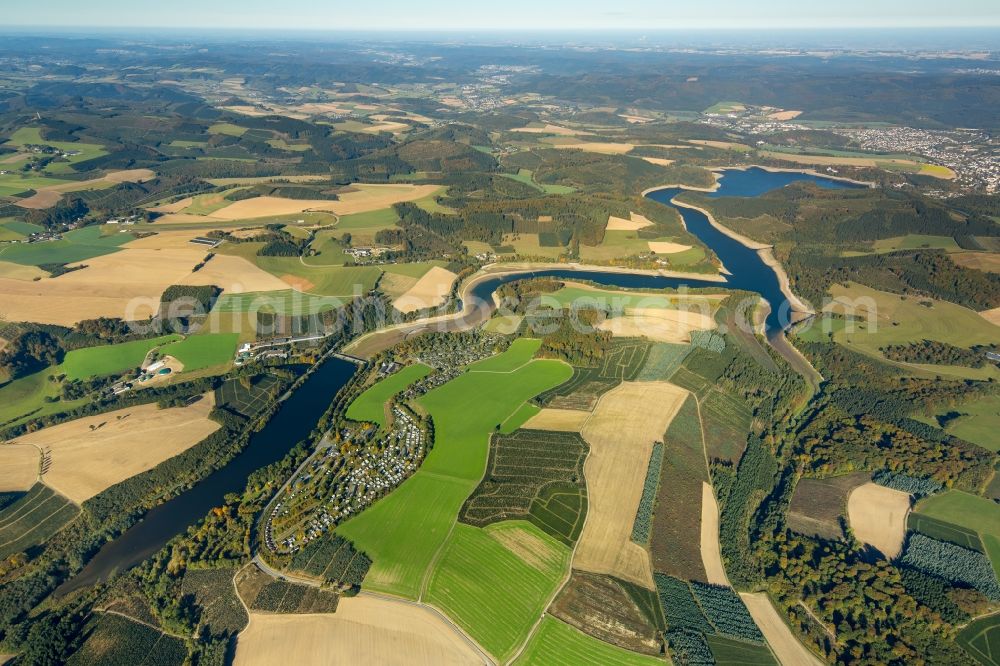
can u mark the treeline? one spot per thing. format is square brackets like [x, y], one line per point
[933, 352]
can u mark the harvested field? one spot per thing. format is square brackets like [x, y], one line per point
[784, 115]
[818, 504]
[721, 145]
[658, 324]
[992, 316]
[551, 129]
[988, 262]
[659, 161]
[635, 223]
[234, 275]
[784, 644]
[878, 517]
[430, 291]
[602, 607]
[175, 207]
[661, 247]
[87, 455]
[711, 553]
[46, 197]
[359, 199]
[19, 467]
[623, 428]
[364, 630]
[600, 147]
[562, 420]
[99, 290]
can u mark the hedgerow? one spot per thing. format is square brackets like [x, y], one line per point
[951, 562]
[644, 514]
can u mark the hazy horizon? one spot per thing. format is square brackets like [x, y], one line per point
[449, 15]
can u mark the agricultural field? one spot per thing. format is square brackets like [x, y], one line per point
[978, 421]
[780, 638]
[247, 400]
[893, 320]
[76, 246]
[945, 531]
[525, 413]
[32, 518]
[358, 198]
[496, 581]
[711, 549]
[663, 360]
[403, 531]
[557, 644]
[676, 524]
[533, 245]
[288, 302]
[197, 352]
[877, 516]
[611, 610]
[431, 290]
[19, 467]
[331, 559]
[90, 454]
[981, 639]
[109, 359]
[730, 652]
[527, 176]
[263, 594]
[363, 630]
[344, 281]
[627, 421]
[214, 593]
[622, 363]
[117, 641]
[915, 242]
[33, 136]
[371, 404]
[727, 421]
[520, 352]
[559, 420]
[818, 505]
[536, 476]
[969, 512]
[32, 396]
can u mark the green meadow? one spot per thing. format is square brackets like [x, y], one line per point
[520, 352]
[198, 352]
[490, 591]
[555, 643]
[403, 531]
[108, 359]
[76, 246]
[370, 405]
[972, 512]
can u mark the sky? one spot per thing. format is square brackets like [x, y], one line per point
[447, 15]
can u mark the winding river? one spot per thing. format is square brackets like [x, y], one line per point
[300, 412]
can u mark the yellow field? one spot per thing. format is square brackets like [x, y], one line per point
[711, 552]
[621, 432]
[551, 129]
[19, 467]
[91, 454]
[659, 161]
[174, 207]
[561, 420]
[721, 145]
[992, 316]
[659, 324]
[46, 197]
[127, 284]
[873, 162]
[364, 630]
[988, 262]
[601, 147]
[360, 198]
[784, 115]
[635, 223]
[430, 291]
[662, 247]
[8, 269]
[878, 517]
[786, 647]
